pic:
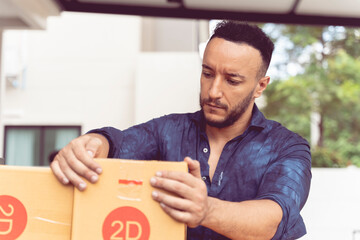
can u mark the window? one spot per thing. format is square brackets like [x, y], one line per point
[32, 145]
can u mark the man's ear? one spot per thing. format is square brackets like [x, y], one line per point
[261, 86]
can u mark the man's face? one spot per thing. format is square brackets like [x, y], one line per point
[229, 81]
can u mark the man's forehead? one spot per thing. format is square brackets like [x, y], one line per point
[228, 49]
[231, 58]
[225, 48]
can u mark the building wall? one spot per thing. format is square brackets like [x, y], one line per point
[167, 82]
[170, 35]
[79, 71]
[89, 70]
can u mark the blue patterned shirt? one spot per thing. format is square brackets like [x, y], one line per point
[266, 162]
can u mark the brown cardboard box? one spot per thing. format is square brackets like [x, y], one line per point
[34, 205]
[119, 205]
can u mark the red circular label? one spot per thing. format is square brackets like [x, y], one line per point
[13, 218]
[126, 223]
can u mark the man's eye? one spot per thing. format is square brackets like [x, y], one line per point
[233, 82]
[206, 74]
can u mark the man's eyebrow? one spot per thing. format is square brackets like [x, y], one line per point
[236, 75]
[228, 74]
[206, 66]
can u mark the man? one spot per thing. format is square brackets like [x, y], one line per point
[252, 175]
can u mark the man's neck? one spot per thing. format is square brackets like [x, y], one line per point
[227, 133]
[218, 137]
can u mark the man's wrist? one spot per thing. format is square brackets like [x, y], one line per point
[209, 220]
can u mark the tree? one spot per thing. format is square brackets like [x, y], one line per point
[328, 83]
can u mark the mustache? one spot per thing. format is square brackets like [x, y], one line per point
[214, 102]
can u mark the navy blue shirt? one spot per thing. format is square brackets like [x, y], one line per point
[266, 162]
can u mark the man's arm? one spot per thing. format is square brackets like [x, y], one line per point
[255, 219]
[76, 160]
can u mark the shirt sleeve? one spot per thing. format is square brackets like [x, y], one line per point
[287, 182]
[139, 142]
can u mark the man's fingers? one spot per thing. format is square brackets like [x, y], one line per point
[178, 208]
[189, 202]
[72, 161]
[194, 167]
[179, 216]
[58, 173]
[86, 156]
[182, 177]
[170, 185]
[172, 201]
[181, 209]
[76, 160]
[77, 181]
[70, 173]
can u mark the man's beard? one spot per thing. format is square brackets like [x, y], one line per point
[234, 114]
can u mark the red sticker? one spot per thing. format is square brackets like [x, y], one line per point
[126, 223]
[13, 218]
[129, 182]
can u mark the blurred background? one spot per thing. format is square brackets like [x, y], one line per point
[70, 66]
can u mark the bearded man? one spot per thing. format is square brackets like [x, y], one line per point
[251, 176]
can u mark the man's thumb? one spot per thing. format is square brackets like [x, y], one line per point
[194, 167]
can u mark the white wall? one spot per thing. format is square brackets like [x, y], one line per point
[88, 70]
[169, 34]
[80, 71]
[332, 211]
[167, 83]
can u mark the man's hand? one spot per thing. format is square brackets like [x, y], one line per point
[76, 160]
[189, 202]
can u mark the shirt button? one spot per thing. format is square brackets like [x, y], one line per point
[203, 178]
[205, 150]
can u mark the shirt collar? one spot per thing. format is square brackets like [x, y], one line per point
[257, 119]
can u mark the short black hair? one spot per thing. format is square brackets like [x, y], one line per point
[240, 32]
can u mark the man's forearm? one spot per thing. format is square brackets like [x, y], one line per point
[255, 219]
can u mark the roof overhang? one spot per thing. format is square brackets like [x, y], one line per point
[311, 12]
[27, 14]
[32, 14]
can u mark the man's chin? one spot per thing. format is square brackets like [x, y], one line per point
[218, 123]
[214, 118]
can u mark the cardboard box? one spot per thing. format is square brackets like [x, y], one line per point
[34, 205]
[120, 206]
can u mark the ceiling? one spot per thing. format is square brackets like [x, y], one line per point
[33, 13]
[27, 14]
[320, 12]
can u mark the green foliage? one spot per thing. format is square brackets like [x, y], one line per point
[329, 84]
[347, 150]
[324, 157]
[294, 114]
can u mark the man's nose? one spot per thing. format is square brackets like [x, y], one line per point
[215, 90]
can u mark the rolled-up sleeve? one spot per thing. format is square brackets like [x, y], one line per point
[138, 142]
[287, 182]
